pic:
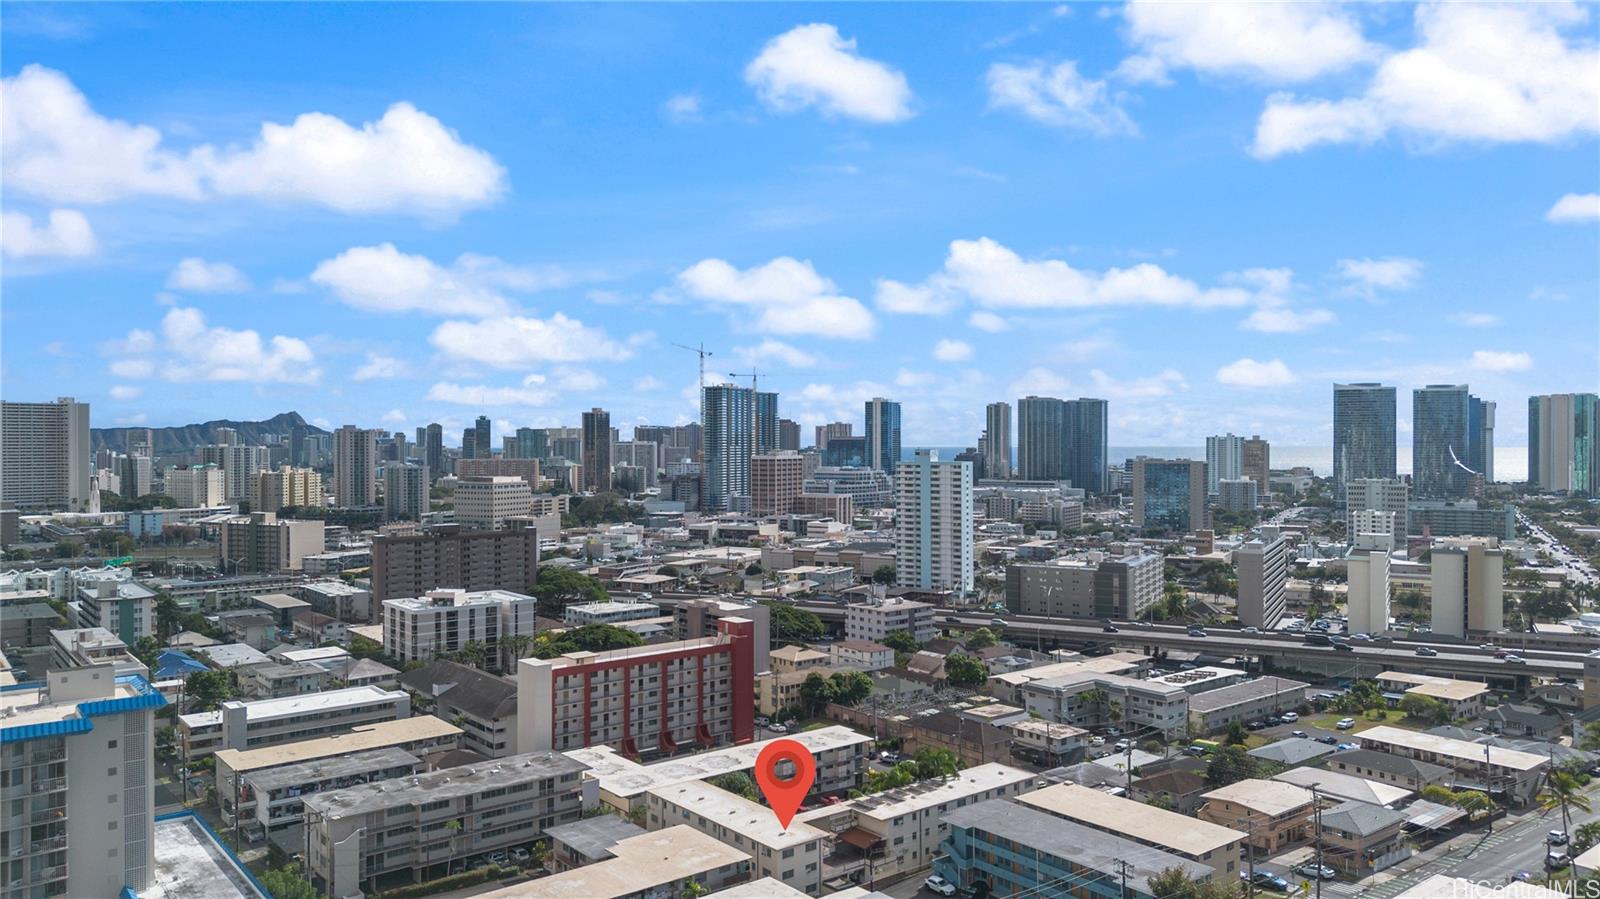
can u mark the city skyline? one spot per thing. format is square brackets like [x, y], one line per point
[853, 205]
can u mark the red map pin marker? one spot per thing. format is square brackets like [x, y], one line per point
[785, 770]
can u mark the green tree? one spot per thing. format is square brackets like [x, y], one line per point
[1476, 802]
[146, 650]
[558, 587]
[982, 638]
[963, 670]
[514, 647]
[850, 687]
[1562, 790]
[365, 648]
[792, 625]
[1237, 734]
[815, 692]
[1437, 794]
[1586, 836]
[738, 783]
[473, 652]
[588, 638]
[1590, 741]
[901, 641]
[883, 575]
[288, 883]
[169, 616]
[1425, 708]
[935, 762]
[752, 570]
[204, 691]
[1230, 764]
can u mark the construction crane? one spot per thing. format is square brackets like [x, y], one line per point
[702, 352]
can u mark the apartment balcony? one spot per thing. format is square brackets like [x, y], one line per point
[45, 875]
[49, 784]
[48, 844]
[48, 815]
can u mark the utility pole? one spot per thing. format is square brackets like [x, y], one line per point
[1122, 869]
[1316, 811]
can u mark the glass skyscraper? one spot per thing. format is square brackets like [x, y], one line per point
[1063, 440]
[1440, 419]
[1087, 452]
[883, 433]
[1480, 438]
[1363, 433]
[1563, 454]
[997, 440]
[482, 441]
[726, 419]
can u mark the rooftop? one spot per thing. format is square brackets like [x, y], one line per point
[333, 767]
[736, 813]
[1346, 786]
[1184, 835]
[1361, 818]
[930, 793]
[643, 862]
[593, 837]
[279, 601]
[190, 863]
[450, 783]
[621, 777]
[1089, 847]
[360, 739]
[1390, 764]
[232, 655]
[1269, 797]
[798, 654]
[1292, 751]
[1443, 886]
[1448, 747]
[1234, 694]
[1115, 663]
[310, 703]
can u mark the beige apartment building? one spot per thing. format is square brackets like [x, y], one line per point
[1215, 846]
[792, 855]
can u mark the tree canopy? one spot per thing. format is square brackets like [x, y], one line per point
[901, 641]
[588, 638]
[963, 670]
[558, 587]
[792, 625]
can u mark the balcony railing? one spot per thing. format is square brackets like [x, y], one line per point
[49, 784]
[44, 875]
[48, 844]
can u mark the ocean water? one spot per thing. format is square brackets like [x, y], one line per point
[1510, 462]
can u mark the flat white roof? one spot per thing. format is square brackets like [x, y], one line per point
[624, 778]
[1270, 797]
[1137, 821]
[327, 701]
[367, 737]
[641, 863]
[1345, 786]
[1116, 663]
[968, 782]
[1461, 750]
[736, 813]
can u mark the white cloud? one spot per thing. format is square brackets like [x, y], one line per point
[1497, 361]
[1252, 374]
[518, 341]
[579, 380]
[132, 368]
[682, 108]
[1058, 95]
[985, 320]
[912, 299]
[196, 275]
[769, 352]
[1575, 208]
[126, 391]
[1161, 384]
[394, 416]
[952, 350]
[379, 367]
[1268, 41]
[1388, 273]
[648, 383]
[65, 232]
[1040, 381]
[905, 377]
[1087, 349]
[1480, 73]
[189, 349]
[480, 395]
[56, 146]
[791, 296]
[996, 276]
[1286, 320]
[1476, 319]
[383, 279]
[812, 66]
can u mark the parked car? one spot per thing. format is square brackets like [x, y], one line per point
[1255, 725]
[1557, 860]
[1097, 740]
[1123, 745]
[778, 728]
[890, 756]
[1345, 723]
[1266, 880]
[762, 721]
[1290, 717]
[1427, 651]
[1328, 740]
[1274, 720]
[521, 856]
[1556, 838]
[499, 857]
[1299, 733]
[1314, 871]
[939, 885]
[1344, 746]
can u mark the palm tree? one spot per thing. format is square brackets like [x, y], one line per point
[517, 646]
[1562, 790]
[473, 653]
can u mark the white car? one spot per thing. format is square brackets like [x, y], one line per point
[1345, 723]
[779, 728]
[1290, 717]
[1097, 741]
[939, 885]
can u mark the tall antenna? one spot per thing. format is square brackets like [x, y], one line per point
[702, 352]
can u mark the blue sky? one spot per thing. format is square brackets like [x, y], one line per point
[393, 214]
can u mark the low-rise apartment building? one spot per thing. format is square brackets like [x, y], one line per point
[444, 621]
[1213, 710]
[877, 619]
[1272, 813]
[677, 861]
[1198, 841]
[1089, 699]
[275, 798]
[422, 822]
[265, 722]
[1464, 698]
[274, 681]
[1095, 586]
[484, 705]
[698, 617]
[1395, 770]
[1360, 839]
[791, 855]
[121, 606]
[1510, 774]
[862, 655]
[648, 699]
[791, 658]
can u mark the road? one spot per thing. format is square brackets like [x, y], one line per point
[1578, 568]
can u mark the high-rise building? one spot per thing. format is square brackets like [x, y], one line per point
[1468, 581]
[882, 431]
[1367, 599]
[1563, 454]
[1363, 433]
[532, 443]
[788, 434]
[597, 450]
[831, 430]
[240, 466]
[1440, 415]
[1237, 494]
[482, 438]
[449, 556]
[997, 440]
[641, 455]
[1257, 464]
[44, 456]
[226, 436]
[195, 486]
[355, 467]
[1041, 428]
[488, 502]
[775, 482]
[737, 423]
[405, 491]
[300, 448]
[1122, 588]
[139, 442]
[1088, 455]
[1390, 495]
[137, 476]
[432, 444]
[1263, 570]
[845, 452]
[262, 543]
[285, 486]
[80, 784]
[933, 523]
[1224, 460]
[1480, 438]
[469, 443]
[1169, 495]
